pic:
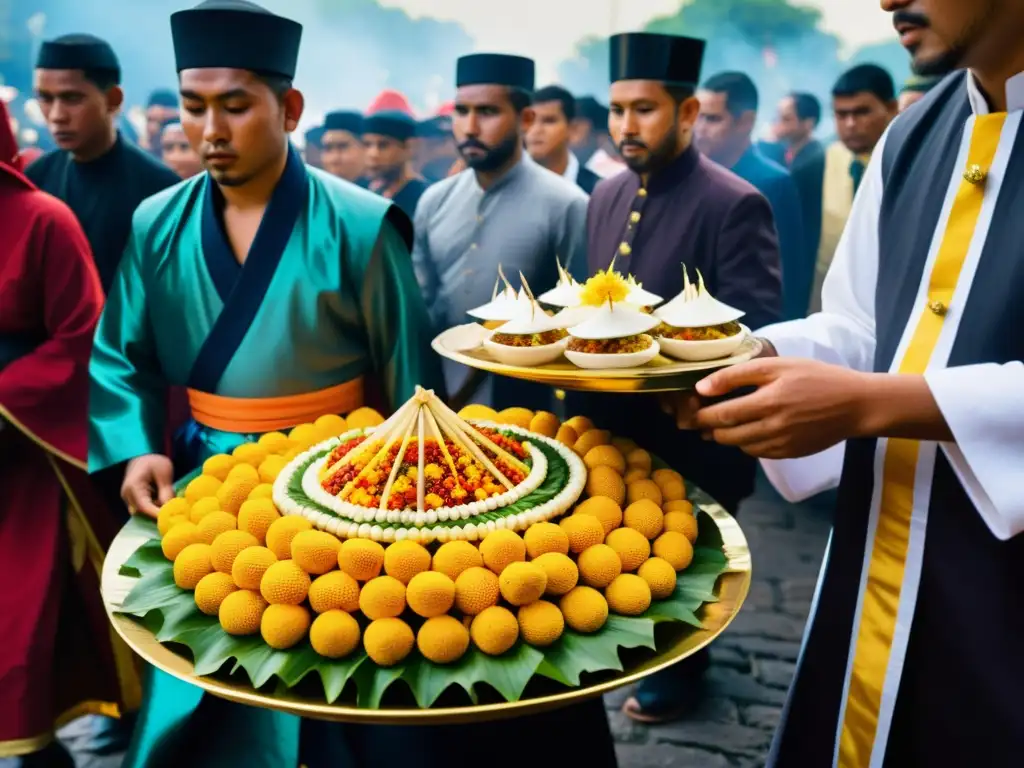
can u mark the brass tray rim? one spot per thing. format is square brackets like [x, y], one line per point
[675, 375]
[114, 587]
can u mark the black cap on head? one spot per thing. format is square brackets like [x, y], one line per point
[439, 127]
[670, 59]
[590, 109]
[314, 136]
[235, 34]
[495, 69]
[79, 52]
[162, 98]
[397, 125]
[344, 121]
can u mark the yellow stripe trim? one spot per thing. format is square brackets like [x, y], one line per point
[9, 417]
[892, 537]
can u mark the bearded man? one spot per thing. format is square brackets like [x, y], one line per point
[504, 208]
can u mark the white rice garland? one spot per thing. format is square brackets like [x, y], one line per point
[348, 520]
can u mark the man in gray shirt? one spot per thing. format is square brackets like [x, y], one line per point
[503, 209]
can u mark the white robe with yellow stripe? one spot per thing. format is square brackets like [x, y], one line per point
[912, 656]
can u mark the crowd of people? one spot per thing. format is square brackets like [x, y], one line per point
[216, 263]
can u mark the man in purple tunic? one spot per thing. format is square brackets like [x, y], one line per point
[675, 207]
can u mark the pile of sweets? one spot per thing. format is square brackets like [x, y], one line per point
[262, 572]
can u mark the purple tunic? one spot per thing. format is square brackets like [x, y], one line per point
[696, 213]
[699, 214]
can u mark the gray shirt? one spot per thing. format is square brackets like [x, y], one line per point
[524, 221]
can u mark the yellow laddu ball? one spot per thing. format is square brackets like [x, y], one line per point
[494, 630]
[540, 623]
[334, 634]
[388, 641]
[442, 639]
[315, 552]
[191, 565]
[523, 583]
[334, 591]
[284, 626]
[226, 547]
[599, 566]
[430, 594]
[211, 591]
[382, 598]
[404, 559]
[250, 565]
[476, 589]
[660, 577]
[562, 572]
[628, 595]
[584, 609]
[285, 583]
[361, 559]
[282, 531]
[501, 548]
[241, 612]
[454, 557]
[541, 538]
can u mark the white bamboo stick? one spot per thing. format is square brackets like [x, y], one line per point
[484, 440]
[420, 484]
[397, 463]
[456, 430]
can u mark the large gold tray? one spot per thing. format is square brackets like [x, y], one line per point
[662, 374]
[731, 590]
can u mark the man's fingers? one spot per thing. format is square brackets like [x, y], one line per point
[139, 497]
[732, 413]
[753, 373]
[744, 435]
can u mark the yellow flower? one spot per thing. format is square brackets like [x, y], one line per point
[432, 472]
[433, 501]
[602, 287]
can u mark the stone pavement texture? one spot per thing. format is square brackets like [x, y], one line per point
[752, 663]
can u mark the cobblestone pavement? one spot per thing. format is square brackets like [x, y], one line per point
[752, 663]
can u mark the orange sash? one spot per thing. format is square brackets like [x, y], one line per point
[256, 415]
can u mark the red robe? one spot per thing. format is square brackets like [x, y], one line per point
[59, 657]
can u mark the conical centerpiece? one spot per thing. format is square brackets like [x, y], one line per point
[425, 457]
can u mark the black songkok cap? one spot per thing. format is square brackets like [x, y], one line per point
[495, 69]
[235, 34]
[593, 111]
[344, 121]
[397, 125]
[439, 127]
[79, 52]
[314, 136]
[163, 98]
[670, 59]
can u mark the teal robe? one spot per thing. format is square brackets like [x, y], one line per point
[327, 293]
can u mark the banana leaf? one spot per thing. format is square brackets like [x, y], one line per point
[172, 615]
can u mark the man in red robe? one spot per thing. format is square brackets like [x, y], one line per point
[58, 656]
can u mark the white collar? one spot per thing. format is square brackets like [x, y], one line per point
[572, 170]
[1014, 94]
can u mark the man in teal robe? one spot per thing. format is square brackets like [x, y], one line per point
[259, 279]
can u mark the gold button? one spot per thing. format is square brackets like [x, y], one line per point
[974, 174]
[559, 394]
[624, 249]
[641, 192]
[472, 247]
[634, 217]
[938, 308]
